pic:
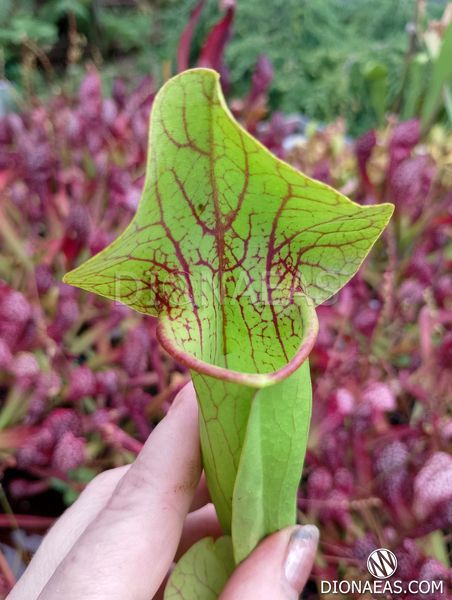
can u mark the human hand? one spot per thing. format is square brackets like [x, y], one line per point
[120, 538]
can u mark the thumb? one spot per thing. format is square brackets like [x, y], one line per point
[277, 569]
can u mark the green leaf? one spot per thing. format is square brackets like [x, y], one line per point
[448, 101]
[271, 461]
[224, 411]
[441, 76]
[376, 75]
[232, 249]
[202, 572]
[415, 87]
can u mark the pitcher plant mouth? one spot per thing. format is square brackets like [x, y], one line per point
[309, 326]
[216, 201]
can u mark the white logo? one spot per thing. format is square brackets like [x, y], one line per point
[382, 563]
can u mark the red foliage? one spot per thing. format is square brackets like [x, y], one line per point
[82, 380]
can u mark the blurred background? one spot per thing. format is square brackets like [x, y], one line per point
[356, 93]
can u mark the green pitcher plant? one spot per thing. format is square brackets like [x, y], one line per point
[232, 249]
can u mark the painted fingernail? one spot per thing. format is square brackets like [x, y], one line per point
[300, 554]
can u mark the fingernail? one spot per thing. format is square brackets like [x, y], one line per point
[300, 552]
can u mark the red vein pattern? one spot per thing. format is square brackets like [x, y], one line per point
[228, 241]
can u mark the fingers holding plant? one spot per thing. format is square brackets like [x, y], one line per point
[121, 536]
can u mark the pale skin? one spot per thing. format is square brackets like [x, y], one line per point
[119, 540]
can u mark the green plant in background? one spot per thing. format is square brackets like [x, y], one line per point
[29, 30]
[232, 249]
[426, 85]
[331, 57]
[41, 41]
[439, 86]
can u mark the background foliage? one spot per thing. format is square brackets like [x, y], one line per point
[330, 57]
[84, 381]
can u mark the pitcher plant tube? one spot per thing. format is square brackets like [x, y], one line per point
[232, 249]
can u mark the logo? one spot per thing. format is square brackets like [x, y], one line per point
[382, 563]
